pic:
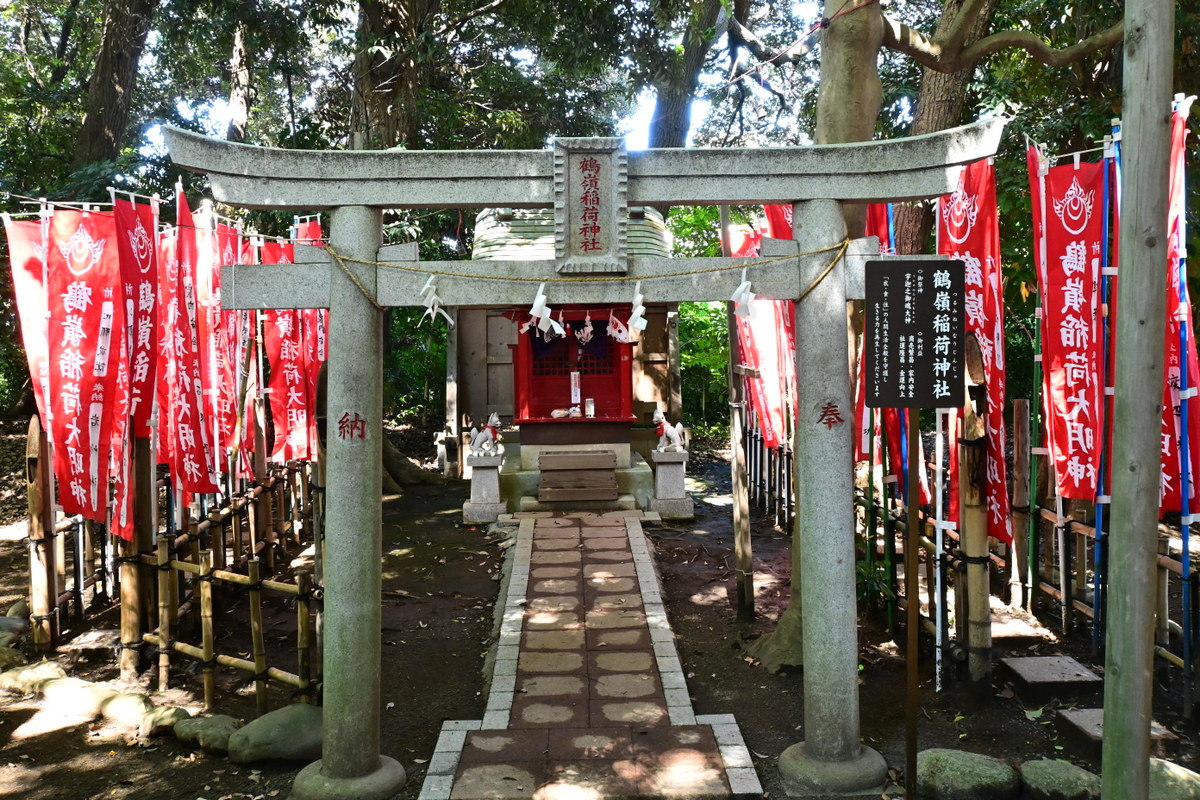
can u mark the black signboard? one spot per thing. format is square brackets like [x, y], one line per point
[915, 334]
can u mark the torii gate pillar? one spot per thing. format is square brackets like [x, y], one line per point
[351, 764]
[831, 760]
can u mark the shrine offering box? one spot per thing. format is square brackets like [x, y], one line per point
[556, 373]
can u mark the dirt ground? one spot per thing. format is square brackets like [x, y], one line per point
[440, 584]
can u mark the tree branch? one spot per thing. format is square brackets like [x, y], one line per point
[463, 19]
[933, 54]
[762, 52]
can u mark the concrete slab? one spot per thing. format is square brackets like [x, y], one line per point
[1039, 679]
[1082, 729]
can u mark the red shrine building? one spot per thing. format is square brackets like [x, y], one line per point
[564, 394]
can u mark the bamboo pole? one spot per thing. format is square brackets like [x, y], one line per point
[973, 541]
[131, 609]
[256, 635]
[743, 553]
[164, 613]
[145, 523]
[43, 565]
[1021, 504]
[207, 661]
[304, 634]
[1128, 684]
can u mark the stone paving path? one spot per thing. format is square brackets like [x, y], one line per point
[588, 699]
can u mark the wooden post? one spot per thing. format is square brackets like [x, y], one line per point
[256, 635]
[743, 554]
[304, 635]
[1128, 676]
[145, 522]
[131, 608]
[972, 482]
[912, 611]
[204, 581]
[1019, 562]
[1064, 568]
[165, 589]
[43, 562]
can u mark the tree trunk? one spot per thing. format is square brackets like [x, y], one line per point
[241, 89]
[679, 77]
[388, 74]
[939, 106]
[110, 90]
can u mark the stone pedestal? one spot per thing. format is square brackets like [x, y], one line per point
[485, 504]
[670, 500]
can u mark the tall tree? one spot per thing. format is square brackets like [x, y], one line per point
[111, 87]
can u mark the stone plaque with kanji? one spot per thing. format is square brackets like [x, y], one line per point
[591, 211]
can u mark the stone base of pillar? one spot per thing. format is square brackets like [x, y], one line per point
[483, 512]
[670, 499]
[485, 503]
[382, 784]
[805, 777]
[673, 507]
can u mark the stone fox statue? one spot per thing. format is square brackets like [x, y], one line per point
[670, 437]
[486, 441]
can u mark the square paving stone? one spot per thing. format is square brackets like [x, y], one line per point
[555, 557]
[685, 773]
[581, 743]
[604, 522]
[610, 585]
[659, 739]
[538, 573]
[589, 778]
[557, 586]
[551, 686]
[557, 543]
[597, 543]
[555, 522]
[554, 640]
[492, 747]
[601, 570]
[552, 602]
[544, 534]
[543, 712]
[620, 661]
[614, 600]
[495, 781]
[625, 686]
[619, 639]
[554, 662]
[643, 712]
[615, 618]
[609, 557]
[552, 620]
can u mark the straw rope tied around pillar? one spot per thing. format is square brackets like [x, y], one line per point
[433, 303]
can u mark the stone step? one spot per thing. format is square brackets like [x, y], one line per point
[1040, 679]
[1082, 728]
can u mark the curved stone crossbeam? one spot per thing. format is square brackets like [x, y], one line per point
[897, 169]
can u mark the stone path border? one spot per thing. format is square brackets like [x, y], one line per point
[708, 745]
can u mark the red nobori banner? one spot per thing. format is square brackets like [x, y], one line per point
[284, 343]
[137, 246]
[191, 447]
[969, 231]
[27, 254]
[86, 324]
[1182, 366]
[1071, 326]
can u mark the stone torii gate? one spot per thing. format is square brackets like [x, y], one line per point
[590, 183]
